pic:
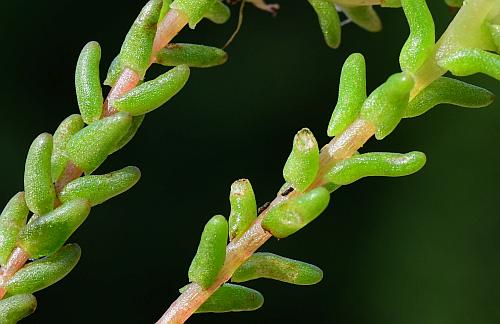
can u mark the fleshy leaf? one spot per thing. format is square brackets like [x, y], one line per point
[243, 208]
[472, 60]
[153, 94]
[15, 308]
[422, 38]
[211, 253]
[192, 55]
[194, 9]
[137, 48]
[448, 91]
[98, 188]
[291, 215]
[375, 164]
[165, 7]
[40, 192]
[495, 35]
[364, 16]
[134, 127]
[272, 266]
[329, 21]
[44, 272]
[386, 104]
[12, 220]
[232, 298]
[302, 165]
[88, 148]
[69, 127]
[88, 83]
[46, 234]
[352, 94]
[218, 13]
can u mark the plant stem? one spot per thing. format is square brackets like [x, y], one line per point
[238, 251]
[167, 29]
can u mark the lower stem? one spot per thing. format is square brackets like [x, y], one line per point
[238, 251]
[16, 261]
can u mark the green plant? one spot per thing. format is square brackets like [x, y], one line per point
[467, 47]
[55, 191]
[310, 174]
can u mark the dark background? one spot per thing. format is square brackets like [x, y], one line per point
[420, 249]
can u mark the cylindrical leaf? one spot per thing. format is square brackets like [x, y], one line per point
[15, 308]
[472, 60]
[69, 127]
[218, 13]
[164, 9]
[134, 127]
[375, 164]
[495, 34]
[272, 266]
[114, 71]
[243, 208]
[12, 220]
[352, 94]
[421, 41]
[137, 48]
[292, 215]
[386, 104]
[329, 21]
[40, 192]
[194, 9]
[448, 91]
[42, 273]
[46, 234]
[153, 94]
[98, 188]
[88, 83]
[302, 165]
[88, 148]
[211, 253]
[232, 298]
[191, 55]
[364, 16]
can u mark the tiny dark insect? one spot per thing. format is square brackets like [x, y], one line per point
[263, 207]
[287, 191]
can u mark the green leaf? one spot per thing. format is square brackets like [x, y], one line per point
[448, 91]
[243, 208]
[153, 94]
[211, 253]
[88, 83]
[40, 192]
[15, 308]
[12, 220]
[302, 165]
[390, 3]
[364, 16]
[422, 38]
[291, 215]
[352, 94]
[114, 71]
[98, 188]
[454, 3]
[88, 148]
[46, 234]
[137, 48]
[375, 164]
[42, 273]
[232, 298]
[272, 266]
[69, 127]
[194, 9]
[218, 13]
[134, 127]
[386, 104]
[495, 35]
[472, 60]
[329, 21]
[192, 55]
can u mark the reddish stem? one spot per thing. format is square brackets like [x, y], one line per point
[16, 261]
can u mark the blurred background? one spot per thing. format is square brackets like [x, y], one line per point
[419, 249]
